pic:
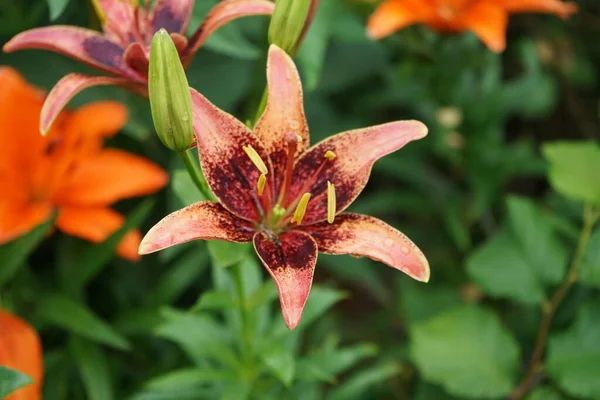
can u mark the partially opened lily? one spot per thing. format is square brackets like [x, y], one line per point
[485, 18]
[287, 198]
[68, 171]
[123, 50]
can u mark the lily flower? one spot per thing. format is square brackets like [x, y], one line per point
[286, 197]
[485, 18]
[123, 49]
[21, 350]
[68, 171]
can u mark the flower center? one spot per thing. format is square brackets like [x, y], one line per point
[279, 217]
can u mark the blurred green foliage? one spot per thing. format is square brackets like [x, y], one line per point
[494, 196]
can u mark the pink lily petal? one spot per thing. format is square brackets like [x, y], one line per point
[203, 220]
[356, 151]
[221, 14]
[230, 173]
[117, 17]
[68, 87]
[136, 58]
[284, 113]
[365, 236]
[290, 258]
[172, 15]
[83, 45]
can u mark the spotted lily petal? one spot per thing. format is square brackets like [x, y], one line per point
[69, 86]
[356, 151]
[221, 14]
[362, 235]
[203, 220]
[172, 15]
[290, 258]
[81, 44]
[229, 171]
[488, 21]
[284, 113]
[393, 15]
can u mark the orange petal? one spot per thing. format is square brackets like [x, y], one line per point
[204, 220]
[21, 349]
[284, 113]
[356, 151]
[290, 258]
[18, 216]
[96, 225]
[228, 169]
[365, 236]
[98, 119]
[393, 15]
[109, 176]
[488, 21]
[557, 7]
[21, 144]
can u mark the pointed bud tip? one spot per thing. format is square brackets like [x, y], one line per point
[292, 317]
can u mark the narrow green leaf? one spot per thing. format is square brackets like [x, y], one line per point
[14, 254]
[544, 393]
[226, 254]
[179, 277]
[93, 369]
[467, 351]
[357, 385]
[97, 256]
[187, 377]
[11, 380]
[279, 359]
[76, 318]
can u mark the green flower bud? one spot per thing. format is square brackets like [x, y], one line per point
[288, 23]
[169, 92]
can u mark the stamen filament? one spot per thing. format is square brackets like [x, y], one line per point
[256, 160]
[260, 185]
[331, 202]
[300, 209]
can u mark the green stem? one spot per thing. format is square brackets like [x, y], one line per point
[590, 216]
[195, 174]
[261, 106]
[246, 335]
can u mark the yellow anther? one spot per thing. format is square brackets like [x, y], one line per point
[330, 155]
[260, 185]
[256, 160]
[331, 203]
[298, 138]
[301, 209]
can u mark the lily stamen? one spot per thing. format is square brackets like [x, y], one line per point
[301, 209]
[255, 158]
[260, 185]
[293, 139]
[331, 202]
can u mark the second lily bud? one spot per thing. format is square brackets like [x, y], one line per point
[290, 22]
[169, 92]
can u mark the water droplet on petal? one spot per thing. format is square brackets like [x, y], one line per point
[404, 249]
[294, 125]
[388, 243]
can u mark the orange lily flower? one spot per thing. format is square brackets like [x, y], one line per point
[485, 18]
[67, 171]
[20, 349]
[286, 197]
